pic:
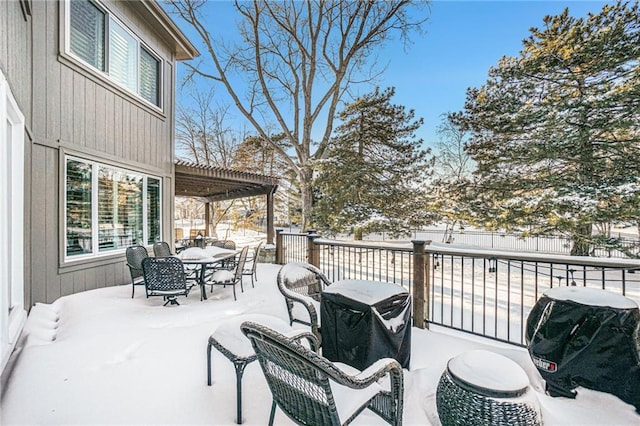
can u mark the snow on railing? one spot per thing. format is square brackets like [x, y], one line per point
[485, 292]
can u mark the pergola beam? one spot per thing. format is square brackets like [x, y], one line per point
[218, 184]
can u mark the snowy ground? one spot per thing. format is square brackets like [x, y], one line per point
[100, 357]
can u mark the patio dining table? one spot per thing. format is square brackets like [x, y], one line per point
[205, 258]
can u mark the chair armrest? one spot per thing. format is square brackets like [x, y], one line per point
[298, 335]
[373, 373]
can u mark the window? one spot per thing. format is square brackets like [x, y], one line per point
[149, 72]
[12, 312]
[123, 57]
[108, 208]
[87, 33]
[130, 64]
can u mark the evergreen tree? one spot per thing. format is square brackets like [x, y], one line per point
[555, 131]
[373, 175]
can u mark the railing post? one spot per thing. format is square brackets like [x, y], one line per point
[313, 253]
[279, 248]
[420, 284]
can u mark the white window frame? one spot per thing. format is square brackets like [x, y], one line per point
[95, 225]
[109, 17]
[12, 312]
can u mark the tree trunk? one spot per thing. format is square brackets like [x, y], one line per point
[306, 187]
[581, 245]
[357, 234]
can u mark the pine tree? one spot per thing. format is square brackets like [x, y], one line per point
[556, 131]
[372, 177]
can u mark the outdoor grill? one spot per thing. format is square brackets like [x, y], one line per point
[587, 337]
[364, 321]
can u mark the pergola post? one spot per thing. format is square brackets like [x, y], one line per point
[207, 219]
[270, 225]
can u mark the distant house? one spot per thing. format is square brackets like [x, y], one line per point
[87, 100]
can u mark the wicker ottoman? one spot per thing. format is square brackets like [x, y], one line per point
[230, 342]
[484, 388]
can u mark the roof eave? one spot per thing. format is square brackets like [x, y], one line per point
[183, 48]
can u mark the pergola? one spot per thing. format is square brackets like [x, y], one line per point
[218, 184]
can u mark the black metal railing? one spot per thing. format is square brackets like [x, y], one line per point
[483, 292]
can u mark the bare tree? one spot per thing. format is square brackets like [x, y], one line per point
[452, 161]
[452, 173]
[203, 132]
[295, 62]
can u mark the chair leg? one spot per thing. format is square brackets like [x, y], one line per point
[133, 291]
[172, 300]
[273, 413]
[234, 292]
[239, 365]
[209, 346]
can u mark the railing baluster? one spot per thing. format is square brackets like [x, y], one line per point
[391, 263]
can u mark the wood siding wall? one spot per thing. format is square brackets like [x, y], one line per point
[76, 112]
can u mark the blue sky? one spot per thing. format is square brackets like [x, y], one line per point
[462, 40]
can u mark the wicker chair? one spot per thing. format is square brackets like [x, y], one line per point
[301, 285]
[251, 271]
[164, 276]
[161, 249]
[135, 255]
[225, 277]
[312, 390]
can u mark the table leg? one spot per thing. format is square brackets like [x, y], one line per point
[203, 290]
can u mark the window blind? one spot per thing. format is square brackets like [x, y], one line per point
[153, 209]
[123, 56]
[149, 77]
[119, 209]
[79, 238]
[87, 32]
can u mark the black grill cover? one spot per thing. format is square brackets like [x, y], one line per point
[597, 347]
[357, 334]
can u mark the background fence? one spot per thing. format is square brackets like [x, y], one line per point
[511, 241]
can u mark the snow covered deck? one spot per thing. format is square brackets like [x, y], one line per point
[102, 357]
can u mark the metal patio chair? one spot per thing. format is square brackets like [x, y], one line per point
[161, 249]
[135, 255]
[164, 276]
[312, 390]
[301, 285]
[251, 269]
[225, 277]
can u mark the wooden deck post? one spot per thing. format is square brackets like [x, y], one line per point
[313, 254]
[279, 248]
[420, 284]
[207, 219]
[270, 220]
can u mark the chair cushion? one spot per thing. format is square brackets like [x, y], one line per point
[222, 276]
[229, 335]
[349, 400]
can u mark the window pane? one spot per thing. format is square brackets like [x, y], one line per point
[153, 205]
[87, 32]
[78, 208]
[119, 209]
[149, 77]
[123, 56]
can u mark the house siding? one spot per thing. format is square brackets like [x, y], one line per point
[70, 110]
